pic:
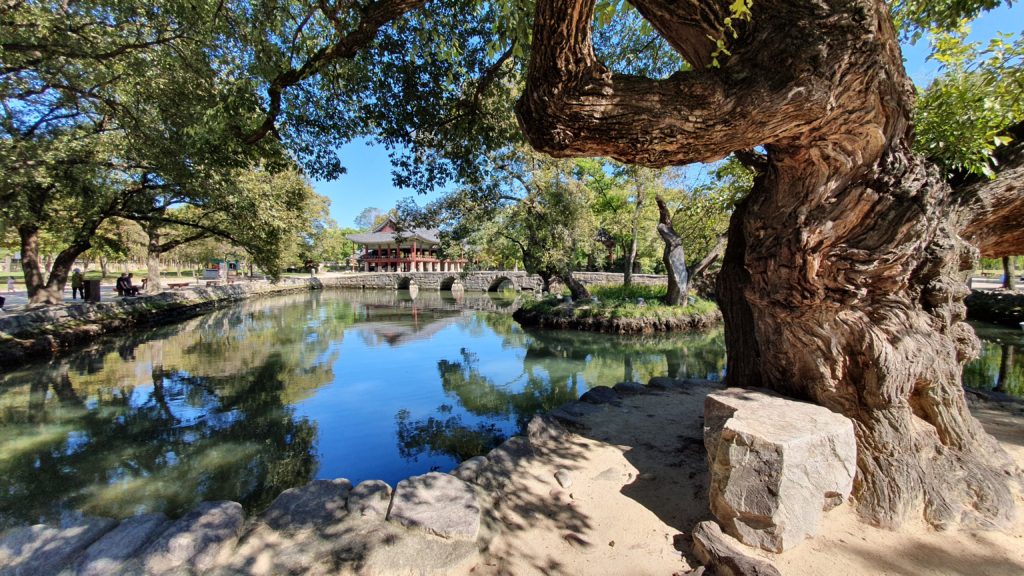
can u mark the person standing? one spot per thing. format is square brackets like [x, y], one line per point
[10, 284]
[77, 284]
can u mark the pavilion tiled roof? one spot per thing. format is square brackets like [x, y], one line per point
[427, 235]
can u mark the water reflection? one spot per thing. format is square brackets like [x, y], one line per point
[246, 402]
[1000, 368]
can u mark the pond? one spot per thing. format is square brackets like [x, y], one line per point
[248, 401]
[1000, 368]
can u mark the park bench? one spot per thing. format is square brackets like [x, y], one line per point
[175, 285]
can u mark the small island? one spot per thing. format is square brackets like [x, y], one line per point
[620, 310]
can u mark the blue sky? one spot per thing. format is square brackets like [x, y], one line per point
[368, 181]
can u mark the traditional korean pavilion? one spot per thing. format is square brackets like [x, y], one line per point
[384, 249]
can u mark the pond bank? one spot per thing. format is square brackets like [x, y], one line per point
[996, 306]
[615, 488]
[616, 319]
[48, 331]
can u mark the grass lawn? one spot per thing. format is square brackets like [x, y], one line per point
[617, 301]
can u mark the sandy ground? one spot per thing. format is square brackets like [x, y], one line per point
[639, 485]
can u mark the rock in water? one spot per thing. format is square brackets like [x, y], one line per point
[42, 549]
[776, 465]
[440, 504]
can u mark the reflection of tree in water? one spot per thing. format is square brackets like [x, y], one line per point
[481, 396]
[999, 368]
[448, 436]
[190, 439]
[605, 359]
[165, 418]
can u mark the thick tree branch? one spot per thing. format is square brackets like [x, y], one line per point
[374, 17]
[993, 210]
[574, 106]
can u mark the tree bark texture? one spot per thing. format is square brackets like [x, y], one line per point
[992, 214]
[673, 256]
[844, 276]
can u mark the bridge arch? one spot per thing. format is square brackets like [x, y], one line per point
[448, 282]
[501, 282]
[405, 283]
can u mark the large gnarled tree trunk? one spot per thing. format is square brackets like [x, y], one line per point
[844, 275]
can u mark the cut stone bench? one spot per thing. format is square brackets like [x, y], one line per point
[776, 465]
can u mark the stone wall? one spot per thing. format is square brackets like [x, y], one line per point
[997, 307]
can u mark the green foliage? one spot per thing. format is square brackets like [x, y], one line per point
[915, 17]
[614, 302]
[961, 116]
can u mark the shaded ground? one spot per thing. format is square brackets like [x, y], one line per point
[639, 484]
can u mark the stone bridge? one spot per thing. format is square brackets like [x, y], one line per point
[482, 281]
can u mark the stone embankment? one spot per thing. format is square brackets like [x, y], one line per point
[436, 523]
[47, 331]
[997, 307]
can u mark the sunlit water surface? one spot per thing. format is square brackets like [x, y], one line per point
[246, 402]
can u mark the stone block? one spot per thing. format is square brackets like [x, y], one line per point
[370, 499]
[470, 469]
[776, 465]
[317, 504]
[193, 541]
[109, 554]
[599, 395]
[439, 504]
[41, 549]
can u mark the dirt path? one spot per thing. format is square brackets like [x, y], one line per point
[639, 485]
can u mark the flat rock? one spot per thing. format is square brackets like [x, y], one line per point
[194, 540]
[725, 555]
[470, 469]
[775, 465]
[42, 549]
[599, 395]
[439, 504]
[370, 499]
[317, 504]
[629, 388]
[413, 554]
[109, 554]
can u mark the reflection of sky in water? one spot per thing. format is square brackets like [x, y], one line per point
[246, 402]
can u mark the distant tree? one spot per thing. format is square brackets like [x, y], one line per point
[369, 218]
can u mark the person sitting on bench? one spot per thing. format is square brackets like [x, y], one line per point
[124, 286]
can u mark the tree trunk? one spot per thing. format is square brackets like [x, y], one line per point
[30, 265]
[627, 276]
[103, 266]
[576, 288]
[154, 284]
[843, 279]
[865, 317]
[673, 256]
[1009, 273]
